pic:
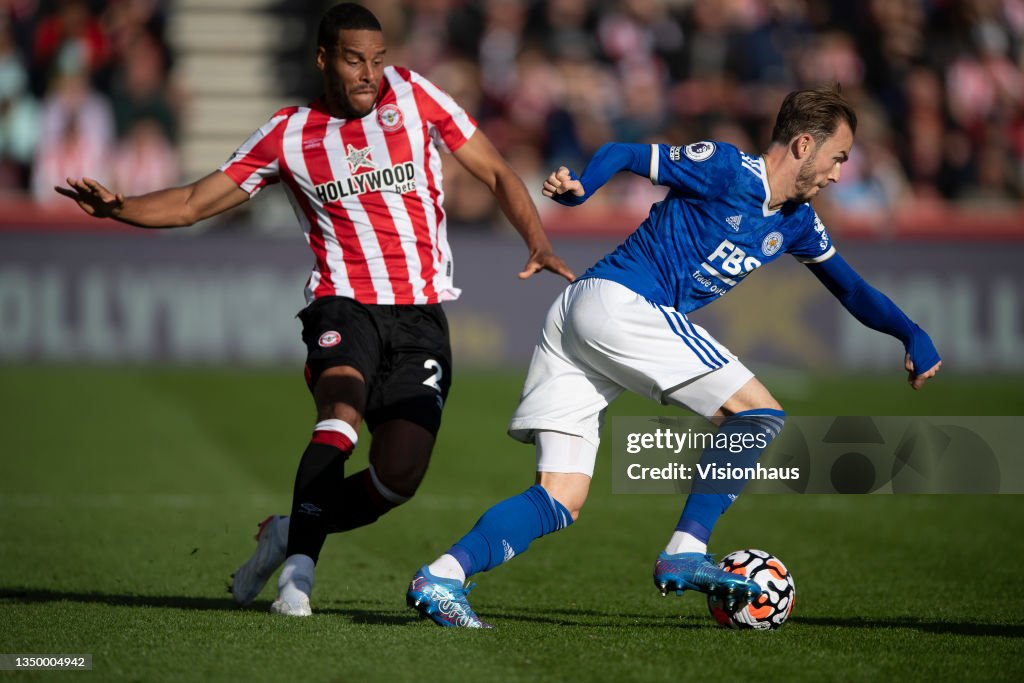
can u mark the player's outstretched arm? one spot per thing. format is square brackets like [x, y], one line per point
[168, 208]
[481, 159]
[612, 157]
[877, 311]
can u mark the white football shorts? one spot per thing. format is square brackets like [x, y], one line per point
[601, 338]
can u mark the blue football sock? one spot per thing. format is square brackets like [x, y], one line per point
[739, 443]
[508, 528]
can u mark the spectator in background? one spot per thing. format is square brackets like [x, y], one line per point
[567, 25]
[140, 90]
[588, 103]
[19, 117]
[423, 29]
[923, 124]
[77, 132]
[643, 112]
[70, 35]
[995, 185]
[561, 76]
[702, 86]
[144, 159]
[640, 33]
[874, 184]
[125, 21]
[504, 23]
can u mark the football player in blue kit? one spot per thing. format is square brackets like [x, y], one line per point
[623, 326]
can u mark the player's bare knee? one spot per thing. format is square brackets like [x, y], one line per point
[569, 489]
[402, 476]
[751, 396]
[394, 491]
[574, 511]
[573, 505]
[340, 411]
[399, 455]
[340, 393]
[570, 501]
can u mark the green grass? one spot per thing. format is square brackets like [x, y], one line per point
[127, 496]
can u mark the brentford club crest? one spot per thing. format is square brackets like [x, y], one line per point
[390, 118]
[329, 338]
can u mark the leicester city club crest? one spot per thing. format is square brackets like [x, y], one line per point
[772, 243]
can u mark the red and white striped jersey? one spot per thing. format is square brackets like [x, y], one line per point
[367, 192]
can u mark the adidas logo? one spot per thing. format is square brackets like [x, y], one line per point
[509, 552]
[734, 222]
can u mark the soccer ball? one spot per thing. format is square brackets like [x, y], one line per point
[770, 609]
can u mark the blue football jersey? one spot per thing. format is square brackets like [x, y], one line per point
[712, 229]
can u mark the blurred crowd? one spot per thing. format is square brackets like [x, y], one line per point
[938, 86]
[85, 89]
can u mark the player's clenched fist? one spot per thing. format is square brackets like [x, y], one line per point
[915, 379]
[560, 182]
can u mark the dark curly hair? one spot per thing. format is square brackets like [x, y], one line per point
[346, 16]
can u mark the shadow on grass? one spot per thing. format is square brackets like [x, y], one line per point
[581, 618]
[586, 618]
[385, 616]
[589, 619]
[36, 595]
[961, 628]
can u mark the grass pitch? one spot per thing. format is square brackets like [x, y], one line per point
[127, 497]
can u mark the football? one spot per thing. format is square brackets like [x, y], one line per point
[770, 609]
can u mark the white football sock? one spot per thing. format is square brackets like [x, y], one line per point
[447, 567]
[682, 542]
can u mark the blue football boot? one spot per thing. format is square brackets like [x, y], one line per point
[698, 572]
[443, 600]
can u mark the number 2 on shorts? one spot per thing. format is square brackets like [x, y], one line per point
[434, 381]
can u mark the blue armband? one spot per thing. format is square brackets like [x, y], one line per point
[610, 159]
[875, 310]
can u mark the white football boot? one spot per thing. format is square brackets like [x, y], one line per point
[294, 587]
[271, 546]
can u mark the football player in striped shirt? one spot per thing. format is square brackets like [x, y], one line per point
[362, 166]
[624, 326]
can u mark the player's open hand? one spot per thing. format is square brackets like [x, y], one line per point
[92, 197]
[560, 182]
[545, 259]
[915, 379]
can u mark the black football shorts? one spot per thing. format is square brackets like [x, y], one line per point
[402, 352]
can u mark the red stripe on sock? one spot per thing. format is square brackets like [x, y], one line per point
[336, 439]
